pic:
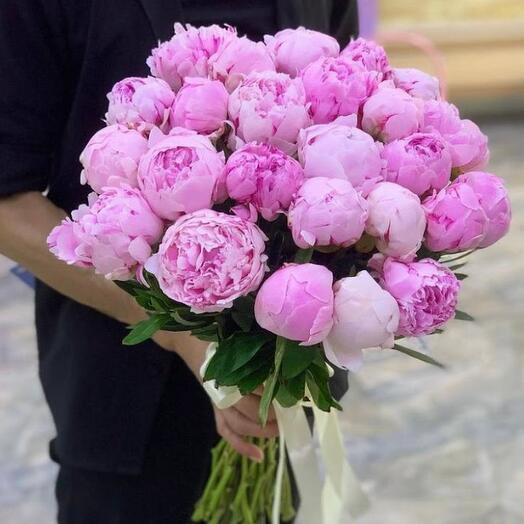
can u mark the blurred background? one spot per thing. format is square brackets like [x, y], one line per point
[440, 447]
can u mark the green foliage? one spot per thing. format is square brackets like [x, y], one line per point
[145, 329]
[462, 315]
[419, 356]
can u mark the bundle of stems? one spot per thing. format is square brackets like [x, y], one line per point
[241, 491]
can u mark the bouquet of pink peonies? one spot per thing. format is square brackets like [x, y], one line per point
[294, 205]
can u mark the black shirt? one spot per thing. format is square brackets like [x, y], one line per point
[58, 59]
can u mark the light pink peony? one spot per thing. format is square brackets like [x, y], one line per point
[365, 317]
[296, 302]
[468, 146]
[368, 54]
[208, 259]
[201, 105]
[426, 292]
[327, 212]
[494, 199]
[396, 219]
[269, 107]
[182, 173]
[239, 58]
[294, 49]
[337, 87]
[456, 219]
[416, 83]
[141, 103]
[340, 151]
[391, 113]
[262, 175]
[114, 234]
[420, 162]
[111, 157]
[187, 54]
[440, 116]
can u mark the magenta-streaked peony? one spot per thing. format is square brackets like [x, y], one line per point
[370, 55]
[417, 83]
[456, 219]
[396, 219]
[239, 58]
[327, 212]
[365, 317]
[269, 107]
[208, 259]
[188, 52]
[426, 292]
[111, 157]
[337, 87]
[296, 302]
[182, 173]
[294, 49]
[114, 234]
[201, 105]
[469, 147]
[141, 103]
[340, 151]
[264, 176]
[420, 162]
[390, 113]
[494, 199]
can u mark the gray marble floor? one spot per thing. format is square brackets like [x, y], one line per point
[440, 447]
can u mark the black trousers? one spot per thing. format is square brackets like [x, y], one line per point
[175, 470]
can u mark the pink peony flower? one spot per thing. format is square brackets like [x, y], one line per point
[296, 302]
[340, 151]
[182, 173]
[440, 116]
[365, 317]
[416, 83]
[494, 200]
[239, 58]
[141, 103]
[269, 107]
[468, 146]
[370, 55]
[456, 219]
[114, 234]
[208, 259]
[294, 49]
[396, 219]
[327, 212]
[426, 292]
[111, 157]
[391, 113]
[337, 87]
[187, 54]
[419, 162]
[201, 105]
[262, 175]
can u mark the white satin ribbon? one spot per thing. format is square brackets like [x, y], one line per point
[327, 501]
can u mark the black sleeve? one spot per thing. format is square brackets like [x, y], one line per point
[344, 20]
[33, 91]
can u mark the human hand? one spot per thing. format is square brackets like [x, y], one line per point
[240, 421]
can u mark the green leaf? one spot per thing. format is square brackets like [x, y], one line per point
[303, 256]
[261, 359]
[271, 382]
[461, 276]
[297, 358]
[145, 329]
[457, 266]
[292, 391]
[461, 315]
[243, 312]
[251, 382]
[234, 352]
[419, 356]
[317, 379]
[184, 322]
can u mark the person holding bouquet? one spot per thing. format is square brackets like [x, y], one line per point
[134, 427]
